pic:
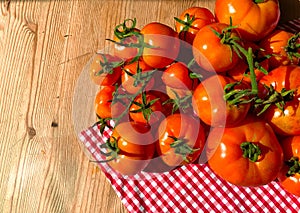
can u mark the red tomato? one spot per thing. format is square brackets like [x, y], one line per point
[105, 69]
[284, 121]
[146, 108]
[102, 103]
[164, 44]
[131, 147]
[126, 34]
[177, 76]
[289, 177]
[246, 155]
[211, 107]
[254, 18]
[213, 52]
[134, 77]
[284, 46]
[191, 20]
[181, 139]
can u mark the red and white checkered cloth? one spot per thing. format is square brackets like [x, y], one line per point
[191, 188]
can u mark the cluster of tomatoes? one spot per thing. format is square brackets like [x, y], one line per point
[218, 88]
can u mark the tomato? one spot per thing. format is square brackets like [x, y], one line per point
[284, 121]
[213, 52]
[289, 176]
[246, 155]
[164, 44]
[177, 76]
[284, 46]
[181, 139]
[146, 108]
[191, 20]
[254, 18]
[105, 69]
[102, 103]
[129, 148]
[126, 34]
[210, 105]
[134, 77]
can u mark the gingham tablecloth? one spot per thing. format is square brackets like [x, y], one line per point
[192, 188]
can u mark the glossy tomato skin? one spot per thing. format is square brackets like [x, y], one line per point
[209, 51]
[201, 16]
[105, 75]
[165, 44]
[128, 79]
[254, 20]
[136, 147]
[291, 148]
[276, 44]
[177, 76]
[183, 127]
[125, 52]
[102, 102]
[225, 156]
[286, 122]
[210, 106]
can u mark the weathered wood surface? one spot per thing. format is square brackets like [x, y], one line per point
[44, 46]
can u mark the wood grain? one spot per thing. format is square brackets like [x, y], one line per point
[44, 46]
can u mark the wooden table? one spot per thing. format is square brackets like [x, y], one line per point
[44, 46]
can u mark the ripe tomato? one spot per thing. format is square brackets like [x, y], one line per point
[289, 176]
[284, 46]
[164, 44]
[130, 148]
[254, 18]
[134, 77]
[126, 34]
[177, 76]
[191, 20]
[105, 69]
[146, 108]
[284, 121]
[246, 155]
[181, 139]
[210, 105]
[102, 103]
[213, 52]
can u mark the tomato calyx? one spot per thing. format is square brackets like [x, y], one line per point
[140, 78]
[294, 166]
[279, 99]
[112, 150]
[258, 1]
[293, 47]
[180, 103]
[108, 66]
[182, 148]
[144, 106]
[103, 123]
[235, 96]
[250, 151]
[187, 22]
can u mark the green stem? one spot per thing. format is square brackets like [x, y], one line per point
[249, 57]
[294, 166]
[182, 148]
[250, 151]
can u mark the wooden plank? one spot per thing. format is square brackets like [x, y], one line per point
[44, 46]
